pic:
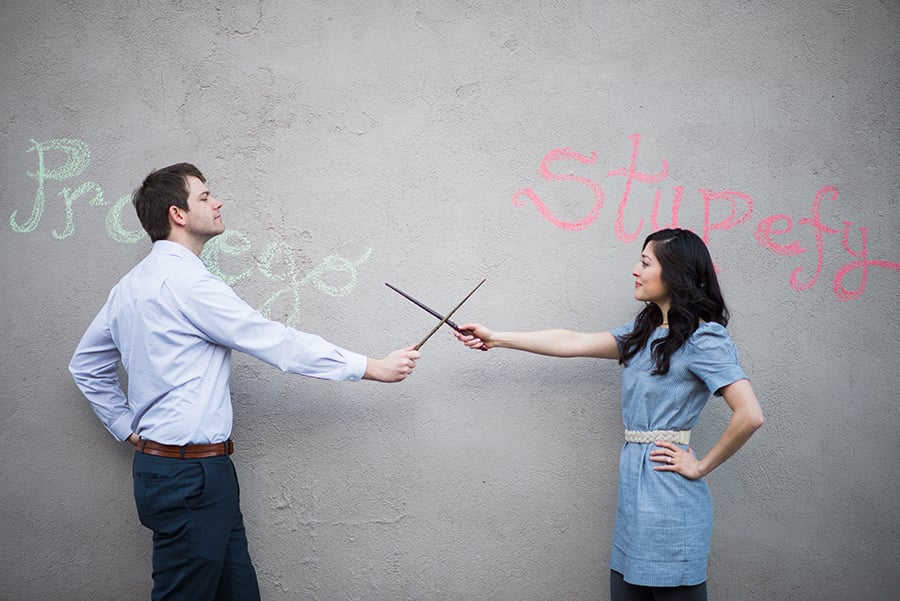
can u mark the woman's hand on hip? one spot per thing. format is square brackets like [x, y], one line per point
[675, 459]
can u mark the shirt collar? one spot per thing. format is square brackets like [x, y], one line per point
[174, 248]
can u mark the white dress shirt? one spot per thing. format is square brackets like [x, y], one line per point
[172, 325]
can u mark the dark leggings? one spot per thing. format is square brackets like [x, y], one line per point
[622, 591]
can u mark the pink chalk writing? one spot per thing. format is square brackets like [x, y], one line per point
[766, 231]
[770, 230]
[741, 204]
[631, 174]
[738, 201]
[544, 170]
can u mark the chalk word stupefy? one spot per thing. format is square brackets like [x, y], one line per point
[276, 264]
[739, 206]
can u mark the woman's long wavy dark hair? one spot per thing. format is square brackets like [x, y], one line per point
[689, 274]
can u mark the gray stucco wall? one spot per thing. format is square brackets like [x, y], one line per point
[431, 144]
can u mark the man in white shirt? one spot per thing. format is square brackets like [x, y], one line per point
[172, 325]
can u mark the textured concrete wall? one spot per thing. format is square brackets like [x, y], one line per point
[430, 144]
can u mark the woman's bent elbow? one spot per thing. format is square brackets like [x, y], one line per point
[756, 421]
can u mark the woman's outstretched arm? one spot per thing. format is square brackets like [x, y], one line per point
[554, 342]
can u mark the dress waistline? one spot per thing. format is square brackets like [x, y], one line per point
[676, 436]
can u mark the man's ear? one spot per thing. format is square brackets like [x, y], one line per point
[176, 215]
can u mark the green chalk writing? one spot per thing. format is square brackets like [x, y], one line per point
[277, 264]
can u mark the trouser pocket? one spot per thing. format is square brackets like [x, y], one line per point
[166, 490]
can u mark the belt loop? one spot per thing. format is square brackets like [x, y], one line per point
[182, 452]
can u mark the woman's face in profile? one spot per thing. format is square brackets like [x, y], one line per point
[648, 282]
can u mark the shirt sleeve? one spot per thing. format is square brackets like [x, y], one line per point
[94, 366]
[713, 357]
[226, 319]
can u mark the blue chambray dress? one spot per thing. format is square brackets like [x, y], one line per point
[664, 520]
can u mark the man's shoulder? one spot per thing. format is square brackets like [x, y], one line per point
[172, 263]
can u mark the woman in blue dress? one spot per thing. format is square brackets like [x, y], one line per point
[675, 355]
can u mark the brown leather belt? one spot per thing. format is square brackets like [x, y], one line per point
[190, 451]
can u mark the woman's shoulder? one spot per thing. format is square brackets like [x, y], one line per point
[709, 334]
[623, 330]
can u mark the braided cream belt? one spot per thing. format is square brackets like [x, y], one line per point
[677, 436]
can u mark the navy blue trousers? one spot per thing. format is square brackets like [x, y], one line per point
[199, 543]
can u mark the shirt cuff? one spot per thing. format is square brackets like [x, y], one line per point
[121, 428]
[356, 366]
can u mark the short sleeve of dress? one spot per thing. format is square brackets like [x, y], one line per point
[620, 333]
[712, 357]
